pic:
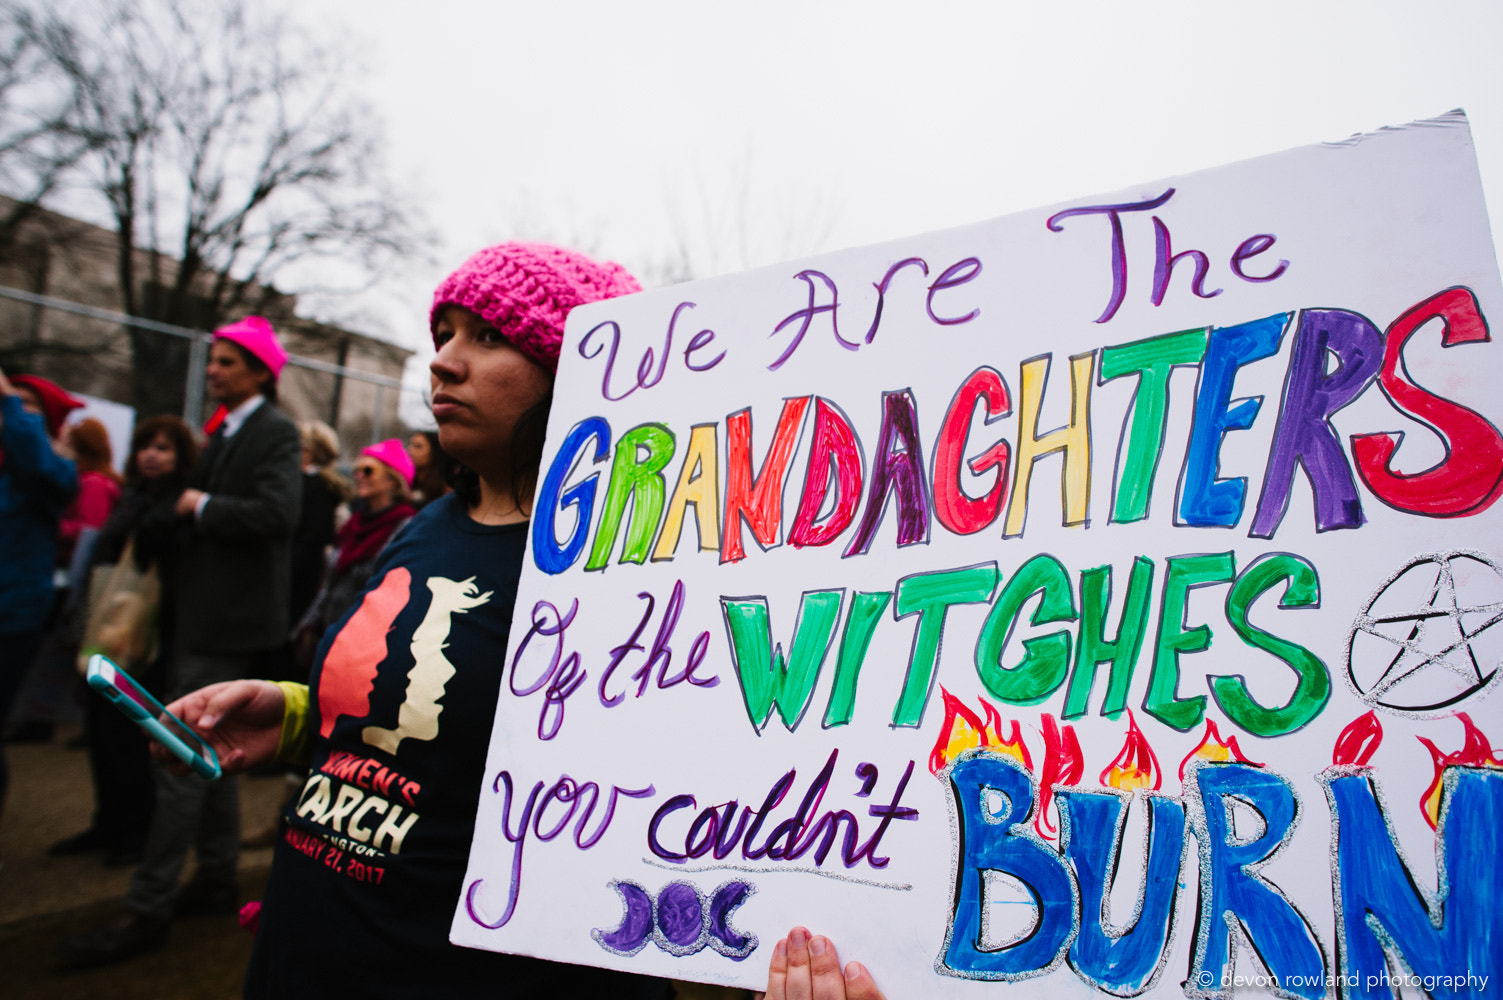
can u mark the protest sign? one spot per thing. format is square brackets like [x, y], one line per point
[1101, 599]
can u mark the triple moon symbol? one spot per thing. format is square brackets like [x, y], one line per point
[1426, 640]
[680, 920]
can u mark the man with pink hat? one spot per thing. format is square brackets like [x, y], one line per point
[231, 583]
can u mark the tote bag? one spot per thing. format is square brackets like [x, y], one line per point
[122, 619]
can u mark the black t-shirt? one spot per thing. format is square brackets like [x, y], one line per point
[372, 857]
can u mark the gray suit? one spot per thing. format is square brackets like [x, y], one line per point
[234, 562]
[231, 585]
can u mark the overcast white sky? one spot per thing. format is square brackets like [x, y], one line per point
[753, 132]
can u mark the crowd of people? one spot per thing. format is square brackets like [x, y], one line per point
[251, 586]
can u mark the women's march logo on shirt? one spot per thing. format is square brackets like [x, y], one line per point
[349, 673]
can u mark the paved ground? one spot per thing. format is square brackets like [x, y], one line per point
[44, 900]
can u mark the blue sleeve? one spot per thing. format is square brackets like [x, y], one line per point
[45, 478]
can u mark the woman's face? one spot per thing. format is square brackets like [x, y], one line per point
[481, 386]
[374, 483]
[157, 458]
[418, 450]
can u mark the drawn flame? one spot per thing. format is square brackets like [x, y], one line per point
[1358, 741]
[1213, 747]
[1476, 751]
[1063, 764]
[1136, 766]
[963, 729]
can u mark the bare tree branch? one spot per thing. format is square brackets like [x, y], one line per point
[225, 142]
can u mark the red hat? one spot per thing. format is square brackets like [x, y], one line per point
[56, 402]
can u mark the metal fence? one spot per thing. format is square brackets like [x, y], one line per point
[384, 388]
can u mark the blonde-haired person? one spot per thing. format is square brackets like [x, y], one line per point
[324, 491]
[320, 457]
[320, 449]
[233, 533]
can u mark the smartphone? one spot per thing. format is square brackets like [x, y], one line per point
[145, 711]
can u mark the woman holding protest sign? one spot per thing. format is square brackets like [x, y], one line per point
[397, 717]
[397, 714]
[806, 967]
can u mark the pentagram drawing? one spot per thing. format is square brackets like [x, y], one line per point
[1426, 641]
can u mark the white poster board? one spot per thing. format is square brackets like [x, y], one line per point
[1178, 503]
[119, 422]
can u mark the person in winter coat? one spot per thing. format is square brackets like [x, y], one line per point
[383, 481]
[162, 454]
[36, 486]
[233, 552]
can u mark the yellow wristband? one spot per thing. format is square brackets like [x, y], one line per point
[292, 744]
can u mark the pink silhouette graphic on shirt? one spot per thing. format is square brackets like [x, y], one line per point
[357, 651]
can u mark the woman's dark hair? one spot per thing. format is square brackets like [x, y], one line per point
[432, 478]
[526, 455]
[259, 367]
[184, 445]
[433, 443]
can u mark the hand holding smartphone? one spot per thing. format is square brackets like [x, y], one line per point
[145, 711]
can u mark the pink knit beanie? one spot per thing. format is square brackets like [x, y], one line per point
[254, 333]
[525, 290]
[392, 454]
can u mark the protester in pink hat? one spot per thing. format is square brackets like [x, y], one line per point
[383, 485]
[233, 529]
[255, 334]
[247, 358]
[405, 685]
[409, 678]
[392, 454]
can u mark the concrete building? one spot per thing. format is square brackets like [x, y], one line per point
[67, 259]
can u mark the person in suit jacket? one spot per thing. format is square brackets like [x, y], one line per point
[234, 535]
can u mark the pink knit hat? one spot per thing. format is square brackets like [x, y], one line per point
[525, 290]
[392, 453]
[254, 333]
